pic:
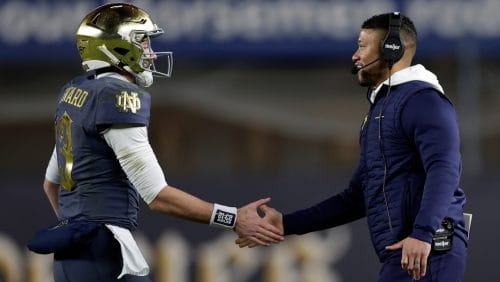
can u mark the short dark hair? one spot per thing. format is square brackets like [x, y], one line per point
[381, 21]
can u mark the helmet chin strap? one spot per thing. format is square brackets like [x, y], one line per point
[143, 79]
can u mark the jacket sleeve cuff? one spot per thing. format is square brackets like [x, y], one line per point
[422, 235]
[290, 224]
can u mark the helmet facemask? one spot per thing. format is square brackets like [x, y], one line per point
[149, 60]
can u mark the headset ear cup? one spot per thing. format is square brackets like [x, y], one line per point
[392, 48]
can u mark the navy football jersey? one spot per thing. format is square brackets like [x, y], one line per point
[93, 185]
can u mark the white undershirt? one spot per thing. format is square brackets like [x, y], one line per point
[137, 159]
[52, 171]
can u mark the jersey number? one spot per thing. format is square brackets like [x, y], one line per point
[65, 150]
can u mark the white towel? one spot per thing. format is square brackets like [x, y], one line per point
[133, 260]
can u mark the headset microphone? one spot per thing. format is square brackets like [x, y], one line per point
[355, 69]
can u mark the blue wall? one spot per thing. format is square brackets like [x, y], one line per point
[289, 29]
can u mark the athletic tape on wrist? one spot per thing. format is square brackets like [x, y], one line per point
[223, 216]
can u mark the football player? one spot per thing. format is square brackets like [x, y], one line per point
[103, 163]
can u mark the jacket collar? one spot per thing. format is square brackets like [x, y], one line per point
[413, 73]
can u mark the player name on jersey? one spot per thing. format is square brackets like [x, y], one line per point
[74, 96]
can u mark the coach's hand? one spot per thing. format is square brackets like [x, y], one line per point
[255, 229]
[414, 256]
[271, 216]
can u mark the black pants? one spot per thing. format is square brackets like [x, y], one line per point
[99, 261]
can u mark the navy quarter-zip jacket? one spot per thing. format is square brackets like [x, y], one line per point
[408, 177]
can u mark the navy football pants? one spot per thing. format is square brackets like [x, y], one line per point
[446, 267]
[100, 261]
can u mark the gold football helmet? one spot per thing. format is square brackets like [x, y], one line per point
[119, 35]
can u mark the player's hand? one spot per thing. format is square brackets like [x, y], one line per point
[414, 256]
[255, 229]
[271, 216]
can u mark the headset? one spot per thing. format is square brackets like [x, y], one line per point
[391, 47]
[391, 51]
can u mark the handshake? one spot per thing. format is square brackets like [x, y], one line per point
[254, 230]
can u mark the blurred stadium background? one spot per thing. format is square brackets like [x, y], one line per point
[261, 103]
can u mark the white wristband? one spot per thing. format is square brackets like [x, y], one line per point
[223, 216]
